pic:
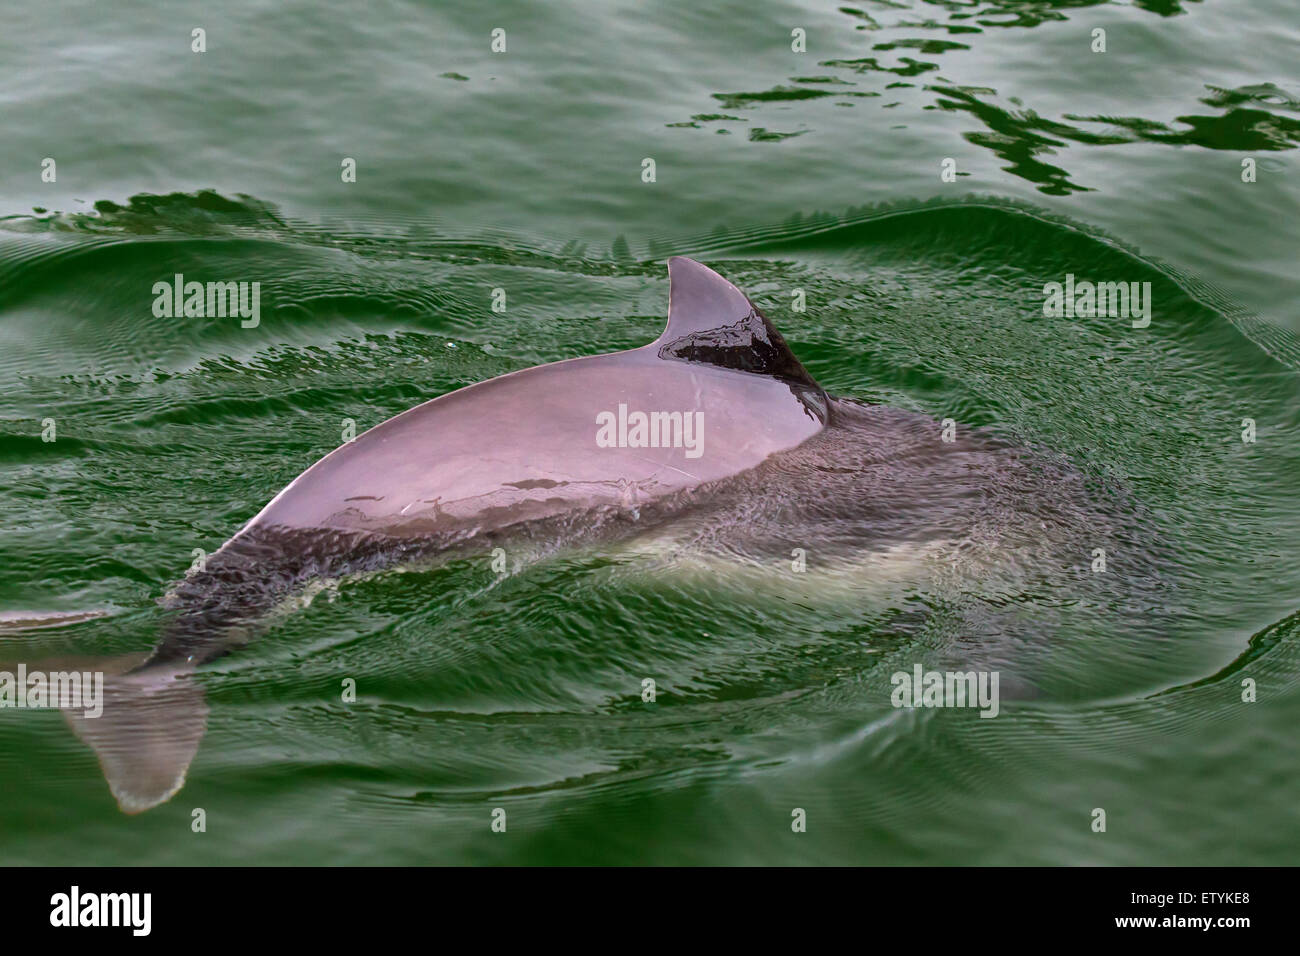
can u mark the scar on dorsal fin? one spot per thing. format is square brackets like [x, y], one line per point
[711, 322]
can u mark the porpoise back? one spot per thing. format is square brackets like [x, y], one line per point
[717, 393]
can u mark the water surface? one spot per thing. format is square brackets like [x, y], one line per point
[522, 171]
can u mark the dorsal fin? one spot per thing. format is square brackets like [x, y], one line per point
[712, 322]
[700, 300]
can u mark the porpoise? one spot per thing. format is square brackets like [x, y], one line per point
[714, 424]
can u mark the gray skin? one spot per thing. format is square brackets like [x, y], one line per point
[523, 446]
[517, 454]
[514, 455]
[516, 460]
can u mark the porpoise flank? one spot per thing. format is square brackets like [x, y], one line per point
[715, 424]
[715, 395]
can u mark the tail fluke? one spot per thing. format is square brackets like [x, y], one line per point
[146, 735]
[154, 713]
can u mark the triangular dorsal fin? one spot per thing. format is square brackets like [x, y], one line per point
[712, 322]
[700, 300]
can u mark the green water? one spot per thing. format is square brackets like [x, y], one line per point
[522, 170]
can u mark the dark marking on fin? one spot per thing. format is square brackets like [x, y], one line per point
[711, 322]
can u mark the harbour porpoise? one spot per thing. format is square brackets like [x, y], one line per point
[715, 425]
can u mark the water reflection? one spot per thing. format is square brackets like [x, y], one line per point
[1248, 118]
